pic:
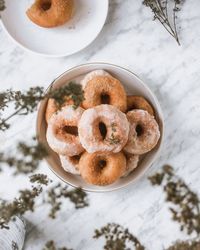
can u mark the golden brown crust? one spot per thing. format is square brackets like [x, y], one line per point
[106, 87]
[52, 108]
[50, 13]
[102, 168]
[138, 102]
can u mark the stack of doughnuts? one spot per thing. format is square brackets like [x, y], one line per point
[103, 139]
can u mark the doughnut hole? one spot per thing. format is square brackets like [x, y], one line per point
[139, 130]
[75, 159]
[66, 131]
[101, 164]
[72, 130]
[45, 5]
[132, 107]
[102, 130]
[105, 98]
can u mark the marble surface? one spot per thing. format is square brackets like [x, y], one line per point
[129, 39]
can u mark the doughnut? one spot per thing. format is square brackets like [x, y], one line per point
[144, 132]
[91, 75]
[52, 108]
[138, 102]
[131, 163]
[70, 163]
[103, 128]
[62, 131]
[50, 13]
[102, 168]
[104, 89]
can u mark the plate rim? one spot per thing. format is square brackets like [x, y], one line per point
[148, 165]
[17, 43]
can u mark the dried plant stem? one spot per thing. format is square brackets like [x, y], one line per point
[50, 245]
[165, 21]
[118, 238]
[23, 203]
[26, 102]
[186, 203]
[166, 9]
[26, 159]
[160, 11]
[13, 114]
[174, 20]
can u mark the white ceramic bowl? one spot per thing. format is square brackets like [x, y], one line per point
[133, 86]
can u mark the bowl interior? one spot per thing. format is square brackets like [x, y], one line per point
[133, 86]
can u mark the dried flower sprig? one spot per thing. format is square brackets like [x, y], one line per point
[185, 245]
[161, 13]
[2, 5]
[117, 238]
[56, 193]
[50, 245]
[14, 246]
[27, 157]
[19, 206]
[25, 103]
[40, 179]
[113, 138]
[186, 204]
[71, 91]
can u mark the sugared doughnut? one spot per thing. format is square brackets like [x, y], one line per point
[50, 13]
[104, 89]
[131, 163]
[70, 163]
[93, 74]
[103, 128]
[52, 108]
[144, 132]
[102, 168]
[138, 102]
[62, 131]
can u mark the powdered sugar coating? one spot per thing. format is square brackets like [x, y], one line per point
[93, 74]
[116, 124]
[69, 165]
[58, 139]
[140, 144]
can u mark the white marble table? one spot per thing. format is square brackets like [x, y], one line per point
[132, 40]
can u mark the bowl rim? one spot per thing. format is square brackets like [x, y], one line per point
[158, 108]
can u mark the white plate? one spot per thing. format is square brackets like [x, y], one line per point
[133, 86]
[79, 32]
